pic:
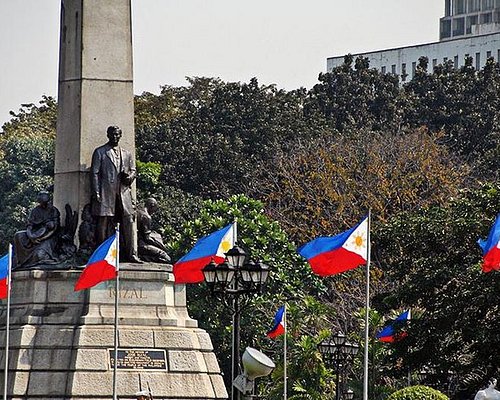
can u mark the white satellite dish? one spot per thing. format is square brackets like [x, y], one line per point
[255, 365]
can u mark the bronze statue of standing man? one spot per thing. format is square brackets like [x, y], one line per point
[113, 172]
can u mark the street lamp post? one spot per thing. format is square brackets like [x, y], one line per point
[234, 278]
[337, 352]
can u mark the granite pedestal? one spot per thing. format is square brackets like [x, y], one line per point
[62, 341]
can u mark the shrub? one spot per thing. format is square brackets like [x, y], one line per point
[418, 392]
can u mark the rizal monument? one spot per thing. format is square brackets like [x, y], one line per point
[61, 340]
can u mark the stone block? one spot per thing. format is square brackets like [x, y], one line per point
[92, 359]
[218, 386]
[176, 339]
[178, 385]
[18, 383]
[92, 336]
[47, 384]
[186, 361]
[205, 341]
[93, 384]
[211, 363]
[89, 384]
[138, 337]
[54, 336]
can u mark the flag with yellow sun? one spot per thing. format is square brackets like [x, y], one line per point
[329, 255]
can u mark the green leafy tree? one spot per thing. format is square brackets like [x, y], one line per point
[434, 257]
[210, 136]
[356, 98]
[264, 240]
[417, 393]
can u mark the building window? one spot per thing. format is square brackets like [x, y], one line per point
[488, 54]
[470, 22]
[455, 61]
[458, 26]
[473, 5]
[447, 8]
[478, 61]
[496, 16]
[413, 68]
[445, 60]
[383, 69]
[434, 62]
[403, 72]
[487, 5]
[486, 18]
[393, 69]
[459, 7]
[497, 3]
[445, 28]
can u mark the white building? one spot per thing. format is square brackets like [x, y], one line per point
[468, 28]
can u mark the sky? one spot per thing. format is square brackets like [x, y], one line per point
[282, 42]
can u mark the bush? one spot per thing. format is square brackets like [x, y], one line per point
[417, 393]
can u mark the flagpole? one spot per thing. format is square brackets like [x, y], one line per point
[235, 327]
[284, 356]
[367, 309]
[117, 289]
[7, 326]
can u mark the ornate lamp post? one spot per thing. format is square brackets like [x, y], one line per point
[232, 280]
[337, 352]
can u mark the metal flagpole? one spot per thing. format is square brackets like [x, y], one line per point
[284, 356]
[117, 291]
[367, 308]
[7, 325]
[236, 327]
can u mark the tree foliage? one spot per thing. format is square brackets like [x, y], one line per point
[327, 183]
[417, 393]
[434, 257]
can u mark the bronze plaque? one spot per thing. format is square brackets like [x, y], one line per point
[138, 359]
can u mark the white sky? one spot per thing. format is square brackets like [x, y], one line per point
[285, 42]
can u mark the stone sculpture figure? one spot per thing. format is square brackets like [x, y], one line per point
[113, 172]
[490, 393]
[87, 232]
[151, 247]
[38, 243]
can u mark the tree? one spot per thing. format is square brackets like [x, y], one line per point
[434, 257]
[210, 136]
[262, 238]
[358, 98]
[322, 186]
[417, 393]
[464, 105]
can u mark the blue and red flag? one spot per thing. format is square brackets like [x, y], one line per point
[189, 268]
[102, 265]
[392, 332]
[329, 255]
[279, 324]
[491, 248]
[4, 276]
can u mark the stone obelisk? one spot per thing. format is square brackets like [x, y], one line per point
[62, 341]
[95, 91]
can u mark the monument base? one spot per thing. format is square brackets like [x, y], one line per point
[61, 341]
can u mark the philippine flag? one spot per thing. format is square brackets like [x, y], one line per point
[4, 276]
[279, 324]
[491, 248]
[102, 266]
[189, 268]
[392, 332]
[329, 255]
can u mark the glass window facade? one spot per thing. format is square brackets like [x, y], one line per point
[458, 26]
[459, 7]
